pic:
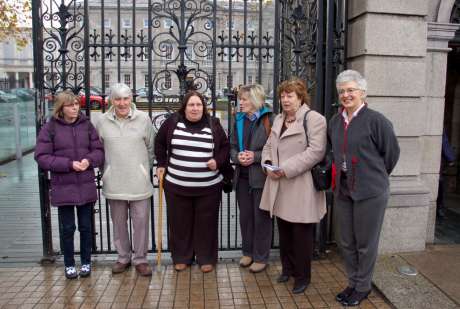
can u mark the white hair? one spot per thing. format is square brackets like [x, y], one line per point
[351, 76]
[120, 90]
[256, 94]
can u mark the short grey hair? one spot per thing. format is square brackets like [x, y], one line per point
[351, 76]
[256, 94]
[120, 90]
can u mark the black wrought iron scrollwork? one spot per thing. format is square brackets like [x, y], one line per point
[184, 44]
[63, 46]
[299, 40]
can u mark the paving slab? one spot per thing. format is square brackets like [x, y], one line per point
[408, 292]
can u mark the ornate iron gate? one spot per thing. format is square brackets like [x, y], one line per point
[163, 48]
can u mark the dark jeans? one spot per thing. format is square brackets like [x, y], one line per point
[67, 222]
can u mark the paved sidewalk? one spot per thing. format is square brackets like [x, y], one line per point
[229, 286]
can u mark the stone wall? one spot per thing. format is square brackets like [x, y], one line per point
[388, 44]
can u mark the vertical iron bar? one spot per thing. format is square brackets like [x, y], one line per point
[319, 71]
[213, 46]
[245, 32]
[104, 91]
[133, 52]
[328, 91]
[276, 56]
[259, 70]
[40, 111]
[118, 41]
[86, 78]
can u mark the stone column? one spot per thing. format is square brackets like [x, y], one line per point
[387, 43]
[439, 35]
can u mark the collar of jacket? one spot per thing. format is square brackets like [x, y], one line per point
[239, 119]
[81, 118]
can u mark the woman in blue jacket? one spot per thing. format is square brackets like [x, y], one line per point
[251, 130]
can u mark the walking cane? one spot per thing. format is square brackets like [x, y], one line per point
[160, 221]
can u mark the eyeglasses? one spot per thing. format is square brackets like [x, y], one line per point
[347, 91]
[71, 104]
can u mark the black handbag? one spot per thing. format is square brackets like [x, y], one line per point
[321, 172]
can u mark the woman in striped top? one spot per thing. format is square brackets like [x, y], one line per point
[191, 148]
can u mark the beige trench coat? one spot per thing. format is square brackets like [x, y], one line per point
[293, 198]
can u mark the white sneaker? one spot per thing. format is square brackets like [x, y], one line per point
[71, 272]
[85, 270]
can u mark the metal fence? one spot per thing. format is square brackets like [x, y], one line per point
[161, 49]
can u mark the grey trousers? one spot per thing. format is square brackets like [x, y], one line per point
[255, 224]
[139, 211]
[359, 225]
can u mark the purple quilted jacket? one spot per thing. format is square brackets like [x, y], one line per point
[58, 145]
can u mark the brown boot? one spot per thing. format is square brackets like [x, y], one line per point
[180, 267]
[257, 267]
[144, 269]
[206, 268]
[119, 267]
[245, 261]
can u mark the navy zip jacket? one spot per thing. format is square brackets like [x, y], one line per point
[370, 148]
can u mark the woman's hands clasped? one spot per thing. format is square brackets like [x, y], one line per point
[246, 157]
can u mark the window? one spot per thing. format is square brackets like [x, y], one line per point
[127, 79]
[230, 79]
[251, 25]
[107, 23]
[146, 80]
[232, 25]
[168, 80]
[146, 22]
[169, 50]
[167, 23]
[107, 80]
[250, 79]
[126, 23]
[208, 52]
[189, 52]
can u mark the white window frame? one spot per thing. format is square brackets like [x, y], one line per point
[107, 23]
[145, 22]
[127, 79]
[126, 22]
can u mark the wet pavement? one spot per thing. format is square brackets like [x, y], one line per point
[26, 284]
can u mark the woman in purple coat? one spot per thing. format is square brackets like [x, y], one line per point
[68, 146]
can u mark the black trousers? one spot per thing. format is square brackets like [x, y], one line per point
[193, 224]
[296, 249]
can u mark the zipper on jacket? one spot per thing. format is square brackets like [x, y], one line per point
[74, 134]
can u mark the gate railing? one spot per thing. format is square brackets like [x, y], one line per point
[163, 48]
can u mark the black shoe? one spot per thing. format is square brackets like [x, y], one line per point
[344, 294]
[282, 278]
[299, 288]
[355, 298]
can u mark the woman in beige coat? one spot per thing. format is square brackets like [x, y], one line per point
[289, 193]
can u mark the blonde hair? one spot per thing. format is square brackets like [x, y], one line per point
[60, 99]
[256, 94]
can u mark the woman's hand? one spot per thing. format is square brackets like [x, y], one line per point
[76, 165]
[276, 175]
[246, 157]
[160, 171]
[84, 164]
[212, 164]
